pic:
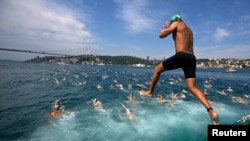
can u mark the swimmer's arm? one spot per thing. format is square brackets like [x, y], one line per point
[236, 97]
[124, 106]
[168, 29]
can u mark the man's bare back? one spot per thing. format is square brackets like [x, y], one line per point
[182, 36]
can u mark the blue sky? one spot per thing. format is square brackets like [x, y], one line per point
[122, 27]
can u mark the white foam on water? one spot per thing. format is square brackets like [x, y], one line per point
[62, 128]
[154, 121]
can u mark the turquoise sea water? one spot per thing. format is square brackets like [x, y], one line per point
[27, 92]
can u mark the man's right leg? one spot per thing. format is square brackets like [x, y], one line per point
[155, 77]
[191, 84]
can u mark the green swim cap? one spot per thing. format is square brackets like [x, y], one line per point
[175, 17]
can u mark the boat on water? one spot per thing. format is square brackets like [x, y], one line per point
[231, 70]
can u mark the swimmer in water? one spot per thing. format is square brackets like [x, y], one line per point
[161, 100]
[58, 110]
[238, 100]
[176, 96]
[98, 105]
[129, 113]
[131, 98]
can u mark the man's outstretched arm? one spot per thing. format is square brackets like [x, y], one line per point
[168, 29]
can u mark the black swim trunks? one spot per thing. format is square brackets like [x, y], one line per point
[182, 60]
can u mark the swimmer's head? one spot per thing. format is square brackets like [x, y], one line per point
[57, 107]
[57, 102]
[174, 18]
[95, 100]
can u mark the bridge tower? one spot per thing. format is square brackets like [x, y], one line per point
[88, 52]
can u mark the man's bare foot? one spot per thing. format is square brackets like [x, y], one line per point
[145, 93]
[214, 117]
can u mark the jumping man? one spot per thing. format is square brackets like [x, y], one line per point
[184, 58]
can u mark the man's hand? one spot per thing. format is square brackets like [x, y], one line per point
[167, 24]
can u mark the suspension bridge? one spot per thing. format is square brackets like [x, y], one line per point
[41, 52]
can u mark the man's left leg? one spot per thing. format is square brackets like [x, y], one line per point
[155, 77]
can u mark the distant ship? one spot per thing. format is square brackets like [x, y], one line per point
[231, 70]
